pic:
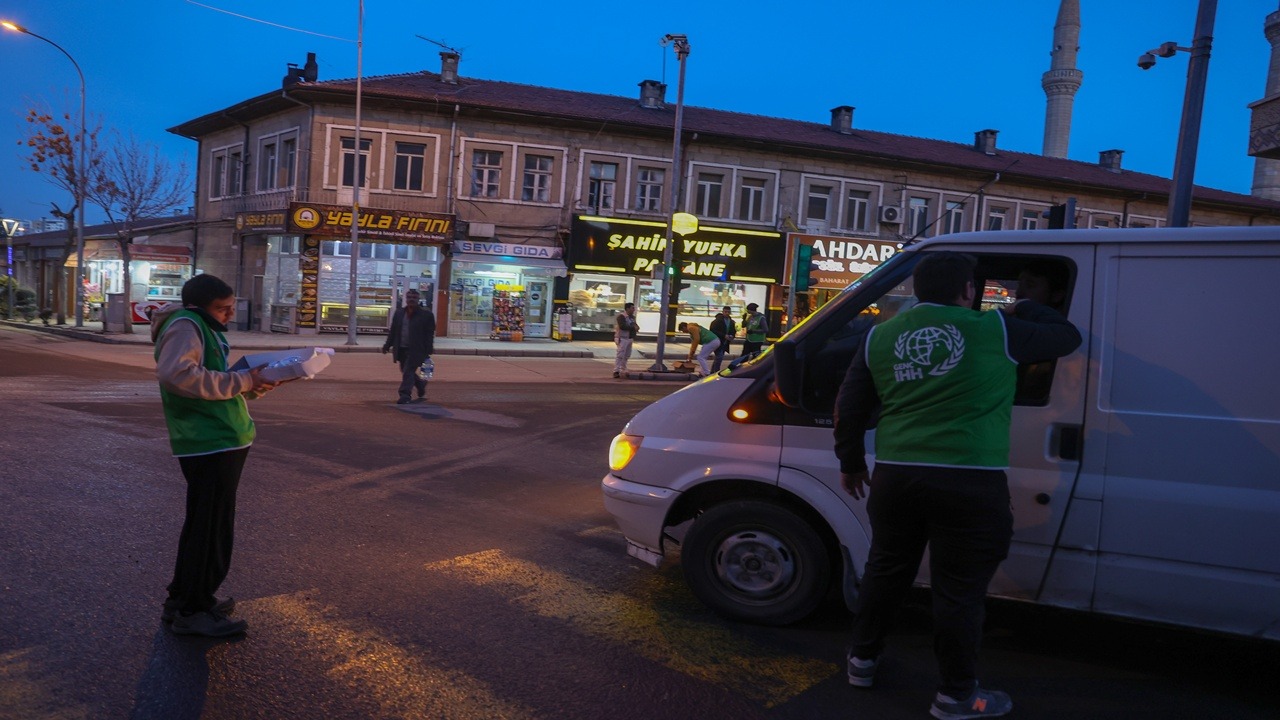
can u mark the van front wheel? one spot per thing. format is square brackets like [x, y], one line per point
[756, 561]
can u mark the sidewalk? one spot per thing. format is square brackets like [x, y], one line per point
[537, 348]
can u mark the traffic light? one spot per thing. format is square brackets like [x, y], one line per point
[802, 270]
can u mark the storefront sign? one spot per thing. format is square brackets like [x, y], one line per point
[260, 222]
[635, 247]
[309, 264]
[838, 261]
[496, 248]
[401, 225]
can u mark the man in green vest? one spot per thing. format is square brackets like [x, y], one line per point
[943, 376]
[210, 432]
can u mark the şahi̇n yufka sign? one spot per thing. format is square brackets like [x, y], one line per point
[635, 247]
[402, 225]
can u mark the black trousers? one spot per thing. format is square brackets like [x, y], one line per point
[409, 377]
[720, 353]
[965, 519]
[208, 533]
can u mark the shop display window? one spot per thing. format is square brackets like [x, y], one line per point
[471, 294]
[597, 299]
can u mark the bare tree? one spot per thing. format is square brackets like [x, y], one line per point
[137, 183]
[53, 144]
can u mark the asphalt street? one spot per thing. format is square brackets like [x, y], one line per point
[452, 559]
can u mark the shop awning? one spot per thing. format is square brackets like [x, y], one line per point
[557, 266]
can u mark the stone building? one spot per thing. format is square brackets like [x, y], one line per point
[512, 205]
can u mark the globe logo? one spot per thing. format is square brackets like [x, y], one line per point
[938, 349]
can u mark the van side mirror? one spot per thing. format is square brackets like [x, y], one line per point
[788, 375]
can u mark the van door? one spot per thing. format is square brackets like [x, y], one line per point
[1187, 428]
[1046, 430]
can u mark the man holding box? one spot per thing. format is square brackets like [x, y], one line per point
[210, 432]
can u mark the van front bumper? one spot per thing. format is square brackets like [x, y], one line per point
[641, 513]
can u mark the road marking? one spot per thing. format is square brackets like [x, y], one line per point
[707, 653]
[402, 684]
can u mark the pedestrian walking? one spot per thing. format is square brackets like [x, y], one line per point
[724, 328]
[943, 376]
[624, 335]
[756, 327]
[413, 337]
[210, 432]
[702, 342]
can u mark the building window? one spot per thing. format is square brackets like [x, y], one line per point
[235, 172]
[649, 182]
[218, 179]
[751, 200]
[289, 160]
[818, 208]
[857, 210]
[710, 188]
[996, 218]
[486, 173]
[411, 163]
[268, 167]
[1030, 219]
[917, 216]
[348, 161]
[955, 217]
[537, 178]
[601, 184]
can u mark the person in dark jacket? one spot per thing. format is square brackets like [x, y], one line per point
[942, 375]
[724, 328]
[413, 337]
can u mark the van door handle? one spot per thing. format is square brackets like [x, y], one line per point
[1065, 442]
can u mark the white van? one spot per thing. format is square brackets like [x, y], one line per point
[1145, 467]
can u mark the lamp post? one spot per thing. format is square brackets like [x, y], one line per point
[80, 172]
[681, 43]
[355, 189]
[10, 227]
[1184, 164]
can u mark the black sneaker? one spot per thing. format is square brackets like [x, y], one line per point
[617, 374]
[224, 607]
[862, 673]
[207, 624]
[403, 401]
[980, 704]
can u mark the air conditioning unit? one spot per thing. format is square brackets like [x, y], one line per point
[891, 214]
[480, 230]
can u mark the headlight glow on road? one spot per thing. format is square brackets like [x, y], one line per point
[622, 449]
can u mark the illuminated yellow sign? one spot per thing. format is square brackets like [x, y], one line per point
[684, 223]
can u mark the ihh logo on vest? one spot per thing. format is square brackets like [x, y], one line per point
[930, 349]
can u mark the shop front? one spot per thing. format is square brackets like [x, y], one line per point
[836, 262]
[156, 276]
[308, 279]
[498, 288]
[615, 261]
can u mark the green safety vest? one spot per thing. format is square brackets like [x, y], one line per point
[198, 426]
[754, 325]
[946, 382]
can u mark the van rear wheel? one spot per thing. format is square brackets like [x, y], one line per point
[756, 561]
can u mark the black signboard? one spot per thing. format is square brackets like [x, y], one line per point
[635, 247]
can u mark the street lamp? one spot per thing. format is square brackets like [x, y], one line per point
[1184, 164]
[79, 190]
[681, 43]
[356, 173]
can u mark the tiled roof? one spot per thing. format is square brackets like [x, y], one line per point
[106, 231]
[626, 112]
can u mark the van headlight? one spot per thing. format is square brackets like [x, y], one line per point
[622, 449]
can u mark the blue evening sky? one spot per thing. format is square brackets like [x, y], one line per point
[939, 69]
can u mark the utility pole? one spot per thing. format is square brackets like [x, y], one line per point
[681, 43]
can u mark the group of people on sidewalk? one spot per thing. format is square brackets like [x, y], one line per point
[703, 342]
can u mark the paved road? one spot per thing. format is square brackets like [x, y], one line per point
[452, 559]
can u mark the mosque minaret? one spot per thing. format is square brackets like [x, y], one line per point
[1062, 80]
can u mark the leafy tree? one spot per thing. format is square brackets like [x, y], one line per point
[53, 147]
[136, 182]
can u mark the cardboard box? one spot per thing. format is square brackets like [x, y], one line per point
[291, 364]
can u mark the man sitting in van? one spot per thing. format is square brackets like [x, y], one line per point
[943, 376]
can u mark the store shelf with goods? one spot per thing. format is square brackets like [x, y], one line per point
[508, 313]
